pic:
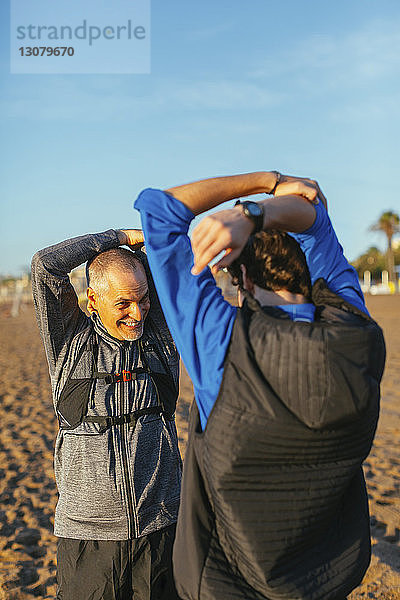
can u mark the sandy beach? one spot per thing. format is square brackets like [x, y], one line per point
[27, 488]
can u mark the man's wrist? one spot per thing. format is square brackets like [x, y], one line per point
[278, 178]
[252, 213]
[239, 209]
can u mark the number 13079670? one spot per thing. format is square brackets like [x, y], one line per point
[46, 51]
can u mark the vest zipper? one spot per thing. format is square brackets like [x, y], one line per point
[124, 453]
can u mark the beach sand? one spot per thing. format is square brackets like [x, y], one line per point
[27, 489]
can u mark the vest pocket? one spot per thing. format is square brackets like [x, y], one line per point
[90, 482]
[156, 452]
[73, 402]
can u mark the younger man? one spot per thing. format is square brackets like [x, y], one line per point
[274, 504]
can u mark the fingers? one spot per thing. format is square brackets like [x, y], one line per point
[306, 187]
[201, 259]
[299, 187]
[134, 236]
[320, 193]
[136, 246]
[308, 191]
[322, 197]
[228, 258]
[205, 235]
[225, 231]
[209, 253]
[209, 238]
[207, 247]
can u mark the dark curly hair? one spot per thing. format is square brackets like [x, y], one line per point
[273, 261]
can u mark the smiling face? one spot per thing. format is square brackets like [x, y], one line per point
[123, 303]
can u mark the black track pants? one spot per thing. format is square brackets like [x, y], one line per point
[139, 569]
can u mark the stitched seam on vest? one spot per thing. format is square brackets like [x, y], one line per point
[206, 555]
[328, 379]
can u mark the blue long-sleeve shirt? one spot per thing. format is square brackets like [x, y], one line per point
[199, 317]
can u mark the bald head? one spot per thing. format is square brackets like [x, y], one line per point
[116, 260]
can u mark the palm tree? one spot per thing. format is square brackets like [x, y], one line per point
[389, 224]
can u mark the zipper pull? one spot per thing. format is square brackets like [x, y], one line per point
[92, 404]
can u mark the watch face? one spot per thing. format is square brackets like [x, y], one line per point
[253, 209]
[255, 213]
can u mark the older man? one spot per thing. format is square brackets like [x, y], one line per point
[114, 378]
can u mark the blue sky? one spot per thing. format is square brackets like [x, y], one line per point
[308, 87]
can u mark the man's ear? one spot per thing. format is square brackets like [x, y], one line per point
[92, 300]
[247, 282]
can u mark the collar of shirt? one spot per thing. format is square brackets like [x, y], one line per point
[299, 312]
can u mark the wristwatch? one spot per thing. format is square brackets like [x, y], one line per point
[277, 181]
[254, 212]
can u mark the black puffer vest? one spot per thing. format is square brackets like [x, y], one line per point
[274, 504]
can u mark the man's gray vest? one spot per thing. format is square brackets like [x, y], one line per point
[274, 504]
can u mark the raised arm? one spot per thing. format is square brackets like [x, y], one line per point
[229, 229]
[205, 194]
[56, 304]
